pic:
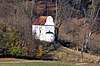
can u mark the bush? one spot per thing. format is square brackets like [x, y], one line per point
[14, 43]
[48, 48]
[15, 50]
[4, 41]
[9, 40]
[39, 52]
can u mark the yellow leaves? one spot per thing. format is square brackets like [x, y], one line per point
[11, 33]
[9, 28]
[9, 38]
[15, 49]
[39, 51]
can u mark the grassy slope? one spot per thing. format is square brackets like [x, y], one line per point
[73, 55]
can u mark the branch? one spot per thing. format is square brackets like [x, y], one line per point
[97, 14]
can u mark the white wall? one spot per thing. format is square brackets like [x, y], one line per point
[39, 30]
[49, 21]
[35, 29]
[51, 28]
[49, 37]
[42, 36]
[50, 24]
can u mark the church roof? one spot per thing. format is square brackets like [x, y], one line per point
[40, 21]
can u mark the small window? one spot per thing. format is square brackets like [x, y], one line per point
[40, 31]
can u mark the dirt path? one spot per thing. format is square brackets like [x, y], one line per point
[24, 61]
[92, 64]
[13, 60]
[8, 59]
[88, 64]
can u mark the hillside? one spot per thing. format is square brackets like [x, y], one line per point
[70, 55]
[72, 32]
[77, 24]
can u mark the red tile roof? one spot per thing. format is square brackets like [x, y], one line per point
[40, 21]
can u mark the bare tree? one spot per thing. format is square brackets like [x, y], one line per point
[90, 19]
[69, 9]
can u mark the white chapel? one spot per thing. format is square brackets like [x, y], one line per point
[44, 28]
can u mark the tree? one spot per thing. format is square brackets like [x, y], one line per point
[87, 9]
[91, 14]
[20, 16]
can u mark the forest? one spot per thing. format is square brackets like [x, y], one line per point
[77, 23]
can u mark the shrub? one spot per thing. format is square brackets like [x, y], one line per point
[15, 50]
[15, 43]
[4, 41]
[39, 52]
[48, 48]
[9, 40]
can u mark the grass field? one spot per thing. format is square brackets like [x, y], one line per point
[52, 63]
